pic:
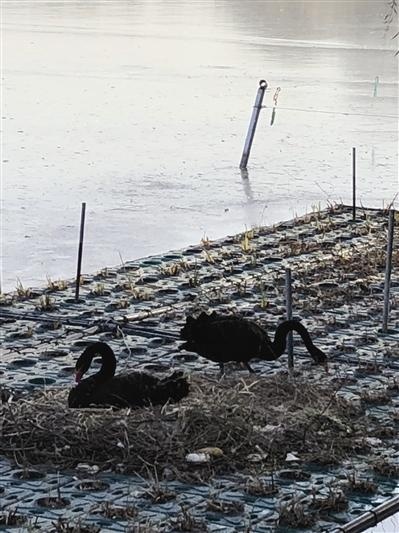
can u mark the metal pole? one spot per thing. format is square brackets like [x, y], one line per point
[388, 269]
[376, 82]
[288, 302]
[252, 124]
[80, 250]
[354, 184]
[371, 518]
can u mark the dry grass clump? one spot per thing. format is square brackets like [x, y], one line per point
[272, 416]
[335, 501]
[379, 396]
[362, 486]
[146, 527]
[116, 512]
[386, 467]
[216, 505]
[65, 526]
[158, 494]
[294, 514]
[186, 521]
[259, 487]
[12, 518]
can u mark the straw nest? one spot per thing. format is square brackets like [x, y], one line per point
[253, 422]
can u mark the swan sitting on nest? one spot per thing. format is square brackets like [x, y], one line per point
[136, 389]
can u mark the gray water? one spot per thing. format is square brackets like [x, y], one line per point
[140, 108]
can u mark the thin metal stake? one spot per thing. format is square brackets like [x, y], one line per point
[388, 269]
[288, 303]
[376, 82]
[354, 184]
[252, 124]
[80, 250]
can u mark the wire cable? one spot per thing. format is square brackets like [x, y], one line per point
[331, 112]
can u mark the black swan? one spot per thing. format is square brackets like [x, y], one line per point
[229, 338]
[135, 389]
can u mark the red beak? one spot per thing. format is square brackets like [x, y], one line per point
[78, 376]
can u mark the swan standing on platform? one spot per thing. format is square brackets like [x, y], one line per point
[229, 338]
[136, 389]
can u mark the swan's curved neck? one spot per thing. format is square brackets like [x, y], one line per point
[280, 340]
[107, 370]
[279, 343]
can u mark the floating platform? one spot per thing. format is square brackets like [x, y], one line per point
[138, 308]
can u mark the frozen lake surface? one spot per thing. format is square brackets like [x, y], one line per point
[389, 525]
[141, 108]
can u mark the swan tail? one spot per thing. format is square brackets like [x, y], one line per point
[192, 325]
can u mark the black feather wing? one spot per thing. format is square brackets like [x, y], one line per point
[224, 339]
[137, 389]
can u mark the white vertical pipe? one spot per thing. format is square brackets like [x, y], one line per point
[252, 124]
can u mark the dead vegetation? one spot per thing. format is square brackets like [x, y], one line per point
[256, 422]
[12, 518]
[272, 416]
[117, 512]
[56, 285]
[335, 501]
[386, 467]
[378, 397]
[361, 485]
[186, 521]
[216, 505]
[157, 493]
[66, 526]
[261, 488]
[294, 514]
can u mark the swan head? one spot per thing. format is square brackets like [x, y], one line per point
[320, 358]
[82, 365]
[108, 361]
